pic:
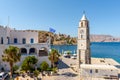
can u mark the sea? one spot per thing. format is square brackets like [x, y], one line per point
[98, 49]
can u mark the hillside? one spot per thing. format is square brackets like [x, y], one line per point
[56, 39]
[60, 39]
[104, 38]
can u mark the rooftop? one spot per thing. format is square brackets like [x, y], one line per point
[84, 17]
[96, 66]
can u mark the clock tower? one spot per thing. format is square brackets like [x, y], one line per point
[83, 45]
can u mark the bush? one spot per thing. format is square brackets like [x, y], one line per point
[36, 73]
[15, 68]
[55, 69]
[44, 66]
[49, 69]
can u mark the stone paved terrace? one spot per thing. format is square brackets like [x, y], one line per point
[65, 72]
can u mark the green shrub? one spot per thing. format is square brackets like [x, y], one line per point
[15, 68]
[49, 69]
[55, 69]
[44, 66]
[36, 73]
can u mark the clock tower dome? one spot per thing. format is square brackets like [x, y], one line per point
[83, 45]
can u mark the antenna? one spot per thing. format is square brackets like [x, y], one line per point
[8, 21]
[83, 12]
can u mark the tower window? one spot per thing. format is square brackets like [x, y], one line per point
[90, 71]
[81, 24]
[15, 40]
[81, 36]
[86, 23]
[96, 70]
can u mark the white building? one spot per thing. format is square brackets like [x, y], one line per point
[98, 72]
[26, 41]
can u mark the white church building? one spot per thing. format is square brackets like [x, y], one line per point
[26, 41]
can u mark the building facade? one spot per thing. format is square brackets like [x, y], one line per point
[98, 72]
[83, 47]
[26, 41]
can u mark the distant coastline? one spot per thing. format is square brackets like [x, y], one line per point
[98, 49]
[63, 39]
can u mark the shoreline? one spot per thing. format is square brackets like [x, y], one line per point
[90, 42]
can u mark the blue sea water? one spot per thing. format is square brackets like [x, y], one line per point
[98, 49]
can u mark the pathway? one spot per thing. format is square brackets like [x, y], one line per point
[65, 72]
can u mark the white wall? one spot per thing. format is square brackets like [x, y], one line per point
[4, 32]
[85, 72]
[36, 46]
[101, 72]
[19, 34]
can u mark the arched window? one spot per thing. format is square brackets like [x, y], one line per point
[81, 24]
[31, 40]
[32, 51]
[86, 23]
[43, 52]
[23, 51]
[8, 38]
[81, 36]
[24, 41]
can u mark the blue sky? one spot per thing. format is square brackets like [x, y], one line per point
[62, 15]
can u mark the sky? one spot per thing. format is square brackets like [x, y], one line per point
[62, 15]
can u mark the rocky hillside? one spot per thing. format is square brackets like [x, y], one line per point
[60, 39]
[56, 39]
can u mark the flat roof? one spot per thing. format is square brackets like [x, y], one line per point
[96, 66]
[104, 61]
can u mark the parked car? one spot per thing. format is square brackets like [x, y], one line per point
[3, 75]
[73, 57]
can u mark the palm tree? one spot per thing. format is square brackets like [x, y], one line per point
[11, 55]
[29, 63]
[54, 57]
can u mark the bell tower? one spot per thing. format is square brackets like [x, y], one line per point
[83, 45]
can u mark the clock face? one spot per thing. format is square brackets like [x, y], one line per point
[81, 31]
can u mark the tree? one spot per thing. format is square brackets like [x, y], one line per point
[11, 55]
[36, 73]
[44, 66]
[29, 63]
[54, 57]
